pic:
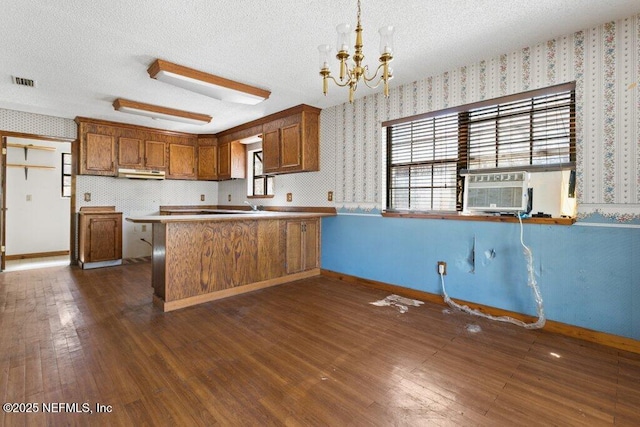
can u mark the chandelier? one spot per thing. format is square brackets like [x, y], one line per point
[351, 76]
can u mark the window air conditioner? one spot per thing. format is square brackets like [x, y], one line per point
[497, 192]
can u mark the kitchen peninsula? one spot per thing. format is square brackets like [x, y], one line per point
[216, 254]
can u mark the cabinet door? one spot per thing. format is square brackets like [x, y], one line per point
[311, 232]
[130, 152]
[155, 155]
[291, 147]
[98, 154]
[231, 160]
[294, 247]
[182, 161]
[224, 160]
[302, 245]
[208, 162]
[105, 238]
[271, 151]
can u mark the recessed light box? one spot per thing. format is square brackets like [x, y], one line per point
[206, 84]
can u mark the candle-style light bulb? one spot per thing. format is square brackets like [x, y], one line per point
[344, 37]
[324, 50]
[386, 40]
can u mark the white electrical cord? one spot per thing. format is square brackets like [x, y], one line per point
[531, 282]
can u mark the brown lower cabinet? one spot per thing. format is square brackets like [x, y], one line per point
[302, 245]
[201, 259]
[100, 237]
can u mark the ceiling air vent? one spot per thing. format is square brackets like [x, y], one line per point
[21, 81]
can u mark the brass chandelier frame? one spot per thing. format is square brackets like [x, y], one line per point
[352, 76]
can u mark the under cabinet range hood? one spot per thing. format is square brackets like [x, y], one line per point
[140, 174]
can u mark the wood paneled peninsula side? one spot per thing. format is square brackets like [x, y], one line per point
[201, 258]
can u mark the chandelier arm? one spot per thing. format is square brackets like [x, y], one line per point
[375, 75]
[366, 82]
[346, 82]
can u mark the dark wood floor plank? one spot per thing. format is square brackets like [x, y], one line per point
[311, 352]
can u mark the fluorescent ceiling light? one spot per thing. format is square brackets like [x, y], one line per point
[157, 112]
[206, 84]
[251, 139]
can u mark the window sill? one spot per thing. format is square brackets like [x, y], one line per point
[261, 197]
[484, 218]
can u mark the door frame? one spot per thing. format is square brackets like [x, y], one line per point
[3, 178]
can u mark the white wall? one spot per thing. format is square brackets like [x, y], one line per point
[40, 224]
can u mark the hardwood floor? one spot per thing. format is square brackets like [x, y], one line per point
[314, 352]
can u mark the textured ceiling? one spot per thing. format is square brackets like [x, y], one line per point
[83, 54]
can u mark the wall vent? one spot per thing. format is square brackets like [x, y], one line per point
[21, 81]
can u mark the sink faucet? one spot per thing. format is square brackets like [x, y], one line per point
[253, 207]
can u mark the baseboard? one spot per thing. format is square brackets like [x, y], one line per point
[610, 340]
[35, 255]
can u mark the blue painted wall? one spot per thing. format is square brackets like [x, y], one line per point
[588, 276]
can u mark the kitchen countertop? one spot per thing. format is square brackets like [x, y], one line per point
[224, 215]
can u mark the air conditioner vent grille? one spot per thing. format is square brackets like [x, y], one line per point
[497, 192]
[21, 81]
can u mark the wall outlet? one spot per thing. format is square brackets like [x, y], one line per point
[442, 268]
[87, 197]
[28, 197]
[330, 196]
[202, 197]
[229, 198]
[289, 197]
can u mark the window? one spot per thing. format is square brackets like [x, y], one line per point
[66, 175]
[423, 161]
[427, 154]
[260, 185]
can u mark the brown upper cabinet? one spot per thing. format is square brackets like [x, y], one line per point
[182, 161]
[97, 149]
[136, 153]
[130, 152]
[106, 146]
[97, 154]
[291, 143]
[231, 160]
[207, 158]
[155, 155]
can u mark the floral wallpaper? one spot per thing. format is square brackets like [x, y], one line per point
[604, 62]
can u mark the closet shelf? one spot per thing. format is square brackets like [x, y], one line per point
[27, 167]
[28, 147]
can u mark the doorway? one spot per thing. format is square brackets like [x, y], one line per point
[36, 202]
